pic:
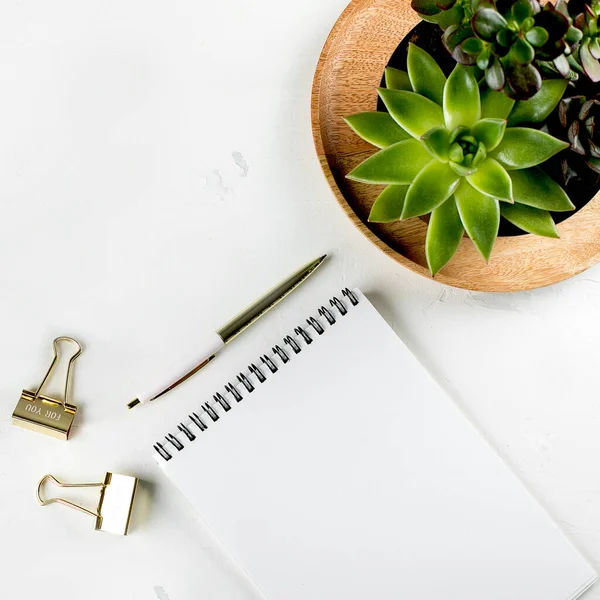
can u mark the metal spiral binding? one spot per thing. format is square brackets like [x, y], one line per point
[326, 313]
[257, 373]
[231, 389]
[336, 302]
[198, 422]
[186, 431]
[348, 294]
[301, 336]
[161, 451]
[305, 336]
[243, 379]
[210, 411]
[269, 363]
[171, 438]
[293, 344]
[219, 398]
[282, 355]
[315, 325]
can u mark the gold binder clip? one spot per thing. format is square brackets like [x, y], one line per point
[115, 504]
[48, 415]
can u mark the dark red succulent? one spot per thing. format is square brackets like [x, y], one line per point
[577, 121]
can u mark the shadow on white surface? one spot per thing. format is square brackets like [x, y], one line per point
[142, 507]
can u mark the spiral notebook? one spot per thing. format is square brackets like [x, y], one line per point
[334, 467]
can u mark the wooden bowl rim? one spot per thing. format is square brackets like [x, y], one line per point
[573, 263]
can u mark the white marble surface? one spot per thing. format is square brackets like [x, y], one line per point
[156, 173]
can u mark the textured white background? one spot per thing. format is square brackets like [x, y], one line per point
[156, 173]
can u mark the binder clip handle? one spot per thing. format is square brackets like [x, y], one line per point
[115, 503]
[68, 379]
[62, 501]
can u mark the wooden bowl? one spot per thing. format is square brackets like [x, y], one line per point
[349, 71]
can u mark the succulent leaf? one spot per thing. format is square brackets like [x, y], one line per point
[594, 164]
[588, 62]
[389, 204]
[425, 75]
[451, 16]
[523, 81]
[445, 4]
[453, 39]
[495, 105]
[433, 185]
[532, 220]
[487, 22]
[473, 45]
[522, 51]
[492, 180]
[425, 7]
[398, 164]
[538, 107]
[444, 233]
[495, 76]
[537, 36]
[557, 27]
[458, 132]
[534, 188]
[562, 8]
[522, 10]
[595, 48]
[523, 147]
[490, 132]
[483, 60]
[395, 79]
[377, 128]
[480, 216]
[456, 153]
[574, 35]
[480, 154]
[462, 103]
[562, 65]
[506, 37]
[437, 143]
[414, 113]
[461, 169]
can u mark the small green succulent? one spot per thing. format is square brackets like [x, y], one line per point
[507, 39]
[585, 17]
[447, 151]
[510, 42]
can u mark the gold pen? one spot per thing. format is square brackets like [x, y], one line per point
[233, 328]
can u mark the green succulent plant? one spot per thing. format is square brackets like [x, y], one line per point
[585, 18]
[446, 150]
[513, 41]
[507, 39]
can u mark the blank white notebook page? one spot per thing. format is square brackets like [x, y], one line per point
[350, 475]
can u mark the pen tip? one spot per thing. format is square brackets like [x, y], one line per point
[133, 404]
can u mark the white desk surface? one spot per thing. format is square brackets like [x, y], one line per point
[157, 172]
